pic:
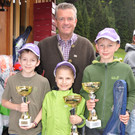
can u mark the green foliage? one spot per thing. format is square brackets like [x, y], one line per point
[98, 20]
[120, 53]
[83, 27]
[80, 23]
[124, 19]
[59, 1]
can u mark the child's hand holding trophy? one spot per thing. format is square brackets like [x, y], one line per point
[73, 101]
[91, 88]
[24, 91]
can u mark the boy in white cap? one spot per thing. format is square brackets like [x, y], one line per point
[29, 60]
[130, 59]
[56, 118]
[107, 70]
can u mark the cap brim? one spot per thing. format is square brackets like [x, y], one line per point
[30, 50]
[108, 37]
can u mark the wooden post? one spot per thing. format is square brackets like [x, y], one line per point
[16, 19]
[10, 42]
[23, 16]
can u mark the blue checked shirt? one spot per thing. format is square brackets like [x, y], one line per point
[66, 46]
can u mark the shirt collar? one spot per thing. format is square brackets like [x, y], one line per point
[71, 41]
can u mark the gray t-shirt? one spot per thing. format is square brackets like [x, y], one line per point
[40, 86]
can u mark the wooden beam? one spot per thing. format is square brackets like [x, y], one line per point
[30, 8]
[3, 32]
[23, 16]
[16, 19]
[10, 42]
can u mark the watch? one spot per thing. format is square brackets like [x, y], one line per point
[35, 124]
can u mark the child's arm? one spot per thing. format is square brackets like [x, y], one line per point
[124, 118]
[23, 107]
[38, 118]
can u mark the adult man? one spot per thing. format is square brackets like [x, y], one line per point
[130, 59]
[66, 45]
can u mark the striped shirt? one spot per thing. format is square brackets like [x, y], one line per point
[66, 46]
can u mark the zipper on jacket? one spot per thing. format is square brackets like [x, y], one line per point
[103, 113]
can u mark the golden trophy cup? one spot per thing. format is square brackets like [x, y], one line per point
[91, 88]
[24, 91]
[73, 101]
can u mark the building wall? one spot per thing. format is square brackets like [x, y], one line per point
[13, 22]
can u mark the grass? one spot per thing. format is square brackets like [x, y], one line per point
[120, 53]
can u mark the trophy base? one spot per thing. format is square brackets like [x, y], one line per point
[93, 124]
[74, 134]
[74, 130]
[24, 123]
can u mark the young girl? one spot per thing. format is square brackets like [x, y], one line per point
[56, 118]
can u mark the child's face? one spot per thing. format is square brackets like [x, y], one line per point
[29, 62]
[106, 49]
[64, 79]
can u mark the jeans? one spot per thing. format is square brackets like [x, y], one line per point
[130, 128]
[1, 124]
[16, 134]
[94, 131]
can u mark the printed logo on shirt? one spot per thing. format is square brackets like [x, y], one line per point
[65, 106]
[75, 55]
[115, 77]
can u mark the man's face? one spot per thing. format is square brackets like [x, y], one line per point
[66, 22]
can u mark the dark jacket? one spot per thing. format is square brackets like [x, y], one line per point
[81, 55]
[130, 56]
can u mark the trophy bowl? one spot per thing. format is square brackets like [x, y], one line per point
[91, 88]
[24, 91]
[73, 101]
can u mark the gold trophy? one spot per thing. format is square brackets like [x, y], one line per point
[73, 101]
[24, 91]
[91, 88]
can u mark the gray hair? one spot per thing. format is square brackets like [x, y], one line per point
[65, 5]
